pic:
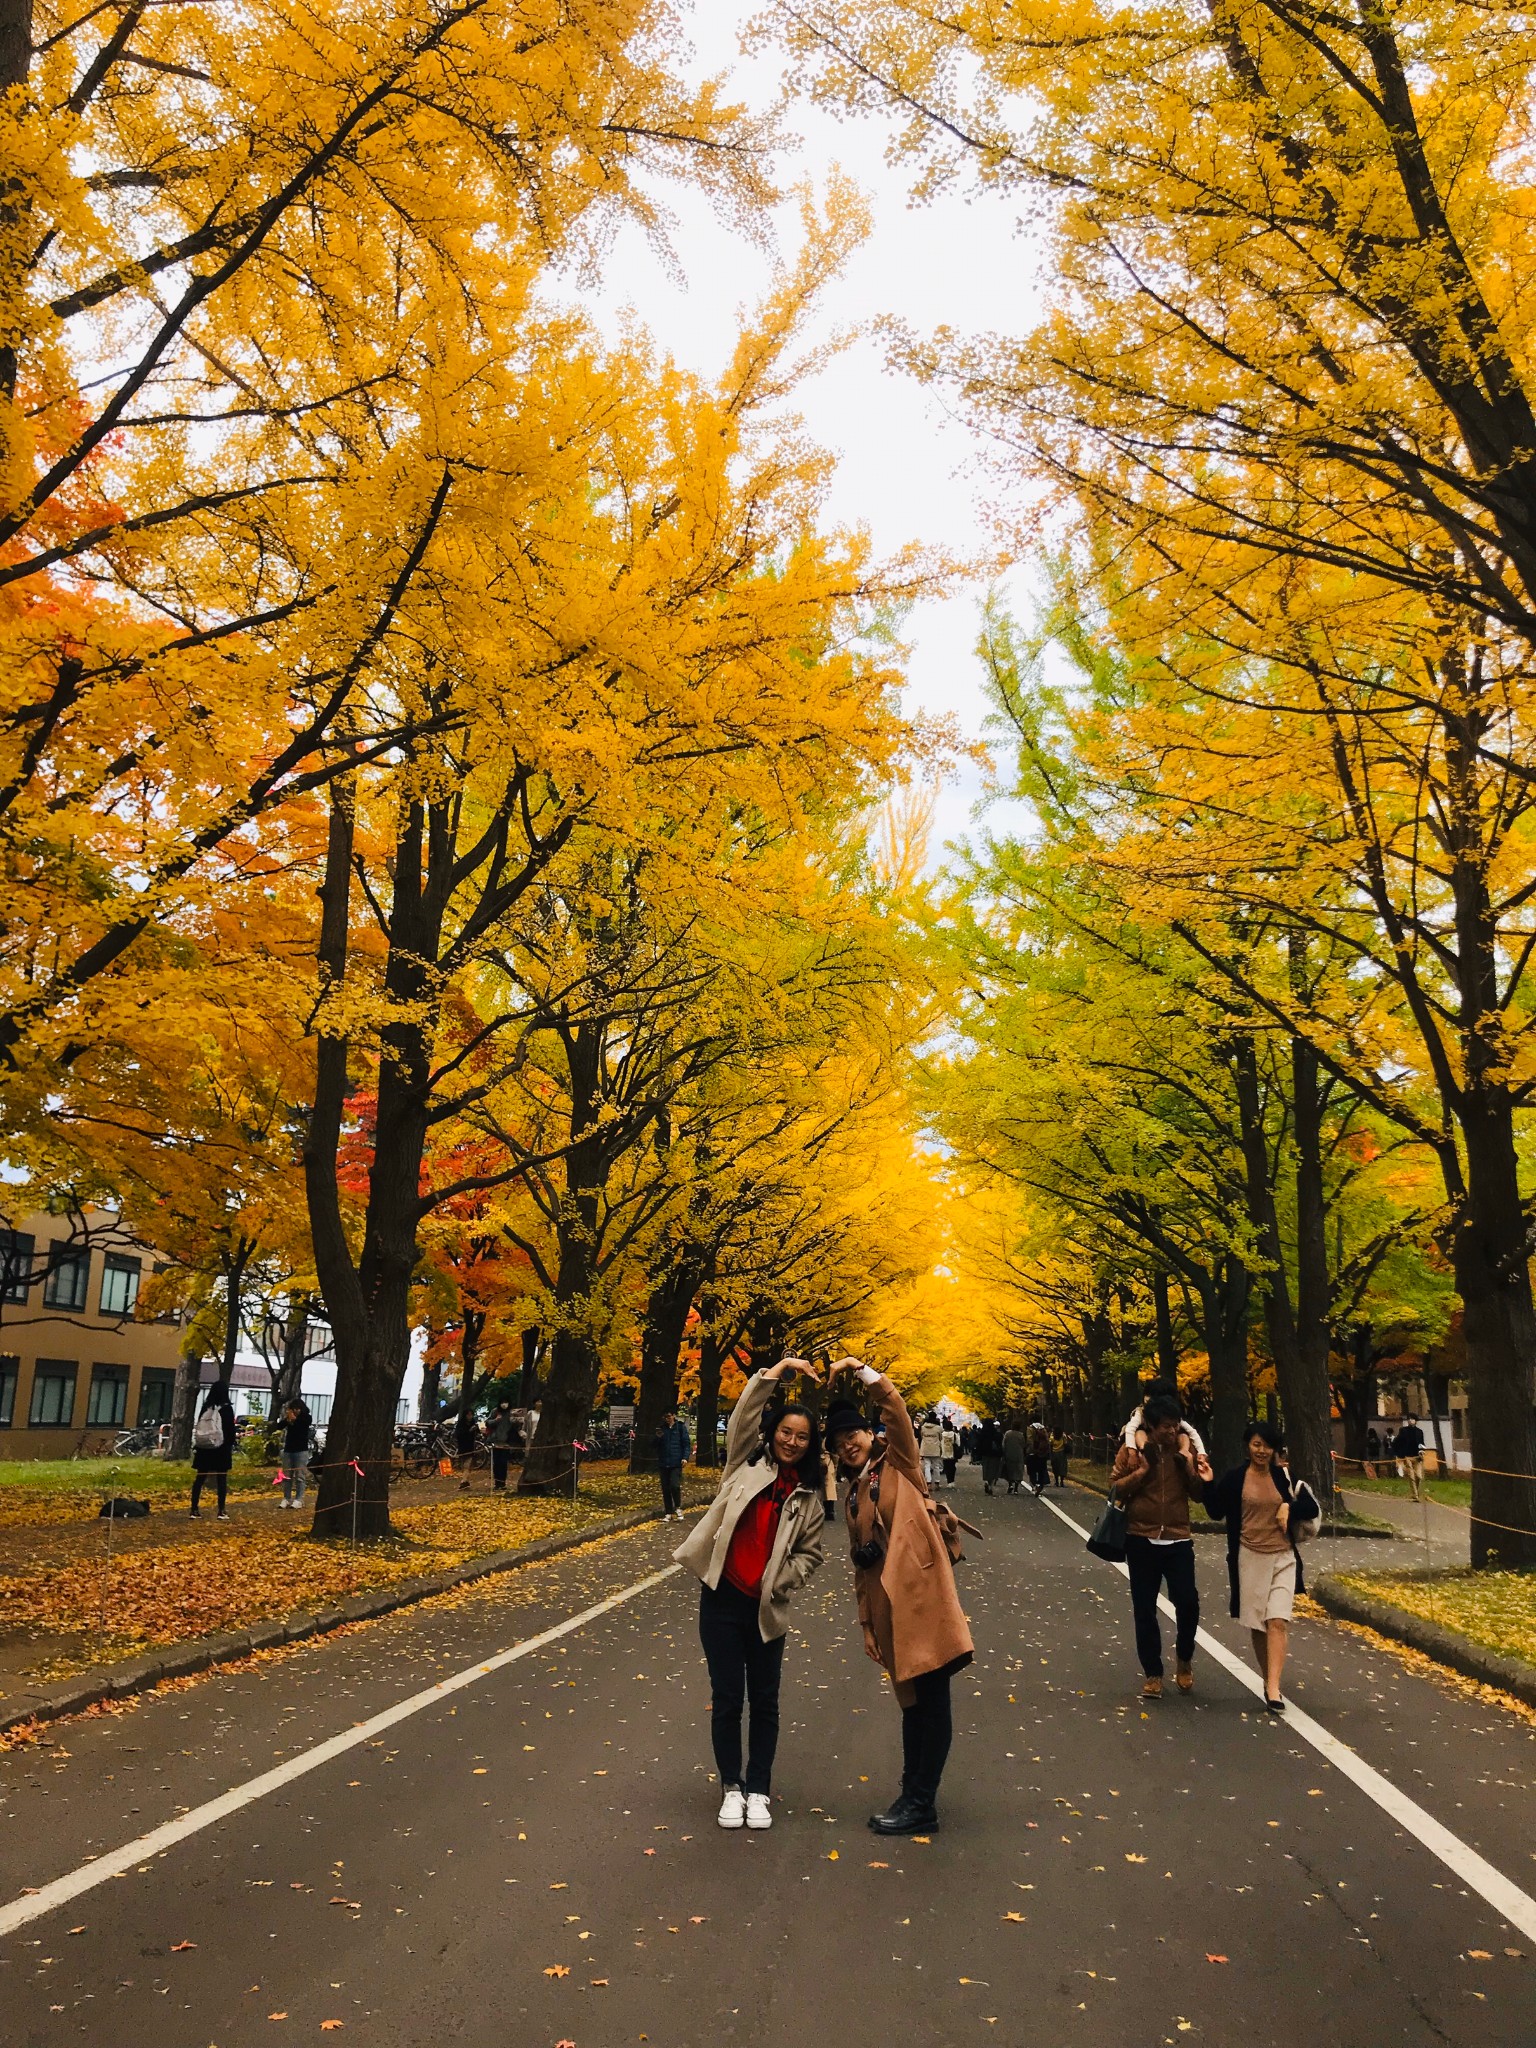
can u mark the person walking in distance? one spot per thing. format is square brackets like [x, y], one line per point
[1013, 1454]
[503, 1435]
[990, 1448]
[1266, 1512]
[949, 1445]
[213, 1447]
[931, 1448]
[756, 1544]
[909, 1608]
[1156, 1484]
[1059, 1457]
[298, 1442]
[1408, 1449]
[1037, 1454]
[672, 1449]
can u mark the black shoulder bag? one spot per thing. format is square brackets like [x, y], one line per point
[1108, 1538]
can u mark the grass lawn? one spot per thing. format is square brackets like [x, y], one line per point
[67, 1601]
[1453, 1493]
[1496, 1609]
[112, 1475]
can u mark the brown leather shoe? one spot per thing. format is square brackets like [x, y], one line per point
[1184, 1678]
[1153, 1689]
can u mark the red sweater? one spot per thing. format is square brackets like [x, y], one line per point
[753, 1540]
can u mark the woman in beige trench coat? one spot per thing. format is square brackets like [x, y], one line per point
[909, 1608]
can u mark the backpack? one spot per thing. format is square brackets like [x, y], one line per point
[949, 1526]
[208, 1431]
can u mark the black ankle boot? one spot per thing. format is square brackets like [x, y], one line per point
[906, 1815]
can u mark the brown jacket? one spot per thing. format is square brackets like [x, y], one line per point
[1156, 1492]
[908, 1601]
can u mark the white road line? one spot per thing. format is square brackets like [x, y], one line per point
[1474, 1871]
[47, 1898]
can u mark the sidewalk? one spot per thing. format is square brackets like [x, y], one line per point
[1449, 1534]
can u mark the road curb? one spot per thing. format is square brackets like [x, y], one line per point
[1444, 1645]
[183, 1660]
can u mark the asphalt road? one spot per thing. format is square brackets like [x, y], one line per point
[534, 1860]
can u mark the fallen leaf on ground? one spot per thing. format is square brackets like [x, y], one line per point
[178, 1946]
[1132, 1857]
[1019, 1917]
[277, 2015]
[557, 1970]
[330, 2026]
[1215, 1959]
[77, 1930]
[1480, 1955]
[879, 1866]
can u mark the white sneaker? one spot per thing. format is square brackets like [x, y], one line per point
[733, 1807]
[758, 1815]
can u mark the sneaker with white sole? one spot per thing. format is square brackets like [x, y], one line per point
[758, 1815]
[733, 1807]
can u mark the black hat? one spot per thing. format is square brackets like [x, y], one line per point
[840, 1416]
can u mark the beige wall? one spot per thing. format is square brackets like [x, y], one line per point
[33, 1330]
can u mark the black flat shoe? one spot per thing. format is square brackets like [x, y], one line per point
[1275, 1706]
[905, 1817]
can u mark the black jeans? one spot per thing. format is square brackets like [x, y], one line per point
[671, 1489]
[1039, 1473]
[743, 1670]
[501, 1458]
[926, 1731]
[220, 1484]
[1149, 1565]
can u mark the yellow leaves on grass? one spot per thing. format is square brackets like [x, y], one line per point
[1495, 1609]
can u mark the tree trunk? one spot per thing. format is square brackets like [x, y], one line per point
[429, 1402]
[183, 1406]
[1224, 1298]
[1490, 1257]
[528, 1380]
[661, 1343]
[550, 1466]
[706, 1415]
[1167, 1349]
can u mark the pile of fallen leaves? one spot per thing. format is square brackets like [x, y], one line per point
[1495, 1609]
[257, 1568]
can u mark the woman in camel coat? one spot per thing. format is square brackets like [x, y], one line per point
[909, 1609]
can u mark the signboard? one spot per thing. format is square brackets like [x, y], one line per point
[621, 1418]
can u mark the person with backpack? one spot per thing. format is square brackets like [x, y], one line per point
[755, 1545]
[931, 1448]
[903, 1547]
[672, 1448]
[213, 1447]
[1059, 1457]
[1267, 1514]
[298, 1442]
[989, 1447]
[950, 1448]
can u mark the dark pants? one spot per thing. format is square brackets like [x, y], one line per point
[671, 1489]
[220, 1484]
[1149, 1565]
[926, 1730]
[1039, 1473]
[501, 1458]
[743, 1670]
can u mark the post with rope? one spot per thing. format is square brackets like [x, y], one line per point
[357, 1477]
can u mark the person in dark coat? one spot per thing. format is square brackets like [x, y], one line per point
[989, 1445]
[1013, 1455]
[213, 1459]
[672, 1449]
[298, 1442]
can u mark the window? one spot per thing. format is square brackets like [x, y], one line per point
[119, 1285]
[157, 1389]
[10, 1369]
[69, 1277]
[53, 1393]
[16, 1248]
[107, 1407]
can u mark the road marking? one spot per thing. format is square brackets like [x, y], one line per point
[117, 1862]
[1474, 1871]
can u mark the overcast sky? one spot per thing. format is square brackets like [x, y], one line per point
[905, 470]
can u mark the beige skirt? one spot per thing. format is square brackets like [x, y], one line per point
[1266, 1586]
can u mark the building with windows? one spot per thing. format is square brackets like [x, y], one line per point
[76, 1364]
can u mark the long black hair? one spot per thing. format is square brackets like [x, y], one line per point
[808, 1465]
